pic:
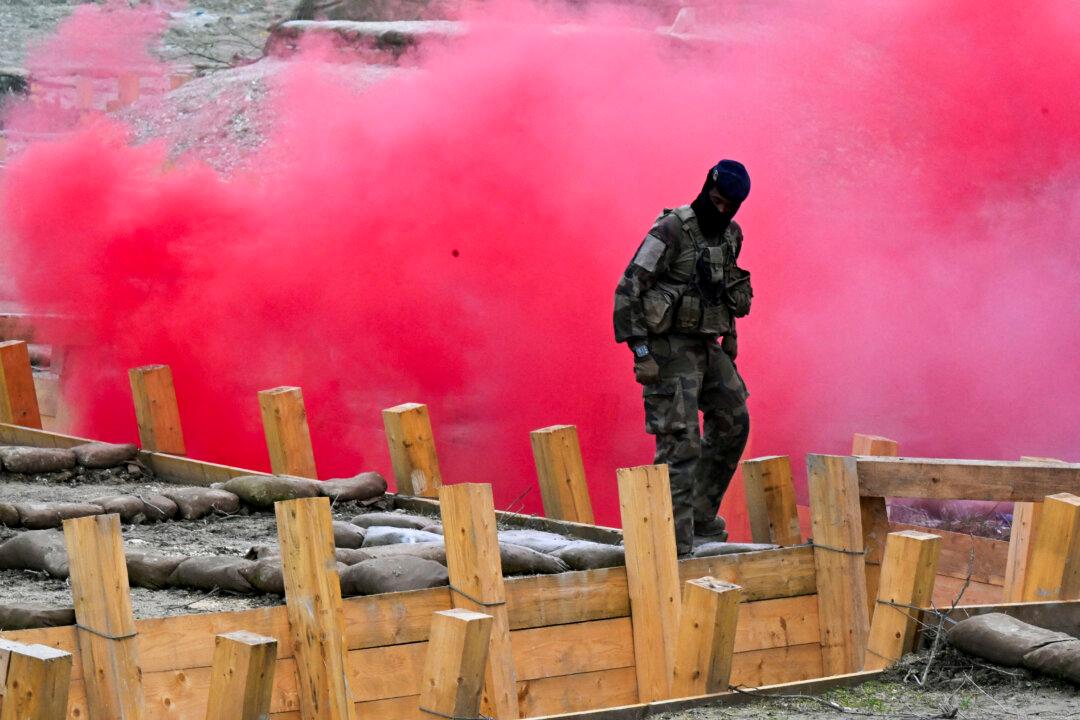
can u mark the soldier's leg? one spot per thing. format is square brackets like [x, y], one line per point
[727, 427]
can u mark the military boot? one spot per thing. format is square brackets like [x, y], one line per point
[714, 530]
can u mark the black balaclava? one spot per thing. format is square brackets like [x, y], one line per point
[733, 182]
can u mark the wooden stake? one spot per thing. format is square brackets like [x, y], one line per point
[84, 93]
[907, 580]
[107, 646]
[1053, 571]
[412, 450]
[710, 611]
[472, 559]
[34, 681]
[313, 600]
[454, 666]
[156, 410]
[874, 445]
[770, 500]
[875, 516]
[127, 89]
[1025, 520]
[652, 575]
[562, 474]
[242, 677]
[838, 559]
[288, 438]
[18, 399]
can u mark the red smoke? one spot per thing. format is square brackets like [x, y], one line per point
[453, 236]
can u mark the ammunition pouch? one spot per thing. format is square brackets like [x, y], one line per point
[737, 291]
[658, 305]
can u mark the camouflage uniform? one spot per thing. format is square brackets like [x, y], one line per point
[665, 298]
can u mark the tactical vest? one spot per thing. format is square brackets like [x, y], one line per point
[702, 289]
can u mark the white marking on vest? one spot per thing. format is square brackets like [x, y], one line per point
[649, 253]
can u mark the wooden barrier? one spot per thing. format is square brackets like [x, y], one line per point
[288, 439]
[106, 626]
[770, 500]
[875, 515]
[18, 399]
[907, 583]
[561, 473]
[456, 656]
[242, 677]
[412, 450]
[710, 611]
[1053, 572]
[156, 410]
[1021, 533]
[935, 479]
[34, 681]
[652, 573]
[313, 600]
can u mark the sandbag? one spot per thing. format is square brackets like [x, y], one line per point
[520, 560]
[41, 550]
[195, 502]
[262, 491]
[434, 528]
[258, 552]
[19, 459]
[347, 535]
[213, 572]
[151, 570]
[586, 555]
[9, 515]
[38, 515]
[394, 535]
[27, 617]
[365, 486]
[98, 455]
[159, 508]
[265, 575]
[999, 638]
[428, 550]
[130, 508]
[392, 574]
[391, 520]
[712, 549]
[1058, 659]
[538, 540]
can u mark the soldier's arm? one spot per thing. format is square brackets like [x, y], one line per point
[652, 257]
[737, 231]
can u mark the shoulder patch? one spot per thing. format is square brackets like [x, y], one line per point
[648, 255]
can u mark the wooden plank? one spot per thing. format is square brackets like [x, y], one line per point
[571, 649]
[18, 435]
[472, 559]
[652, 573]
[710, 609]
[947, 589]
[288, 438]
[412, 450]
[34, 681]
[156, 410]
[561, 472]
[313, 600]
[47, 389]
[188, 471]
[107, 645]
[1021, 536]
[770, 500]
[454, 670]
[875, 515]
[777, 665]
[874, 445]
[1054, 570]
[841, 578]
[242, 677]
[572, 693]
[761, 575]
[18, 397]
[907, 581]
[984, 558]
[777, 623]
[965, 479]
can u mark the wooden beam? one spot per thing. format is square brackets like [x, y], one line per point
[34, 681]
[313, 599]
[106, 627]
[838, 557]
[964, 479]
[874, 445]
[907, 581]
[156, 410]
[770, 500]
[1024, 521]
[1053, 572]
[242, 677]
[288, 438]
[561, 473]
[710, 611]
[652, 575]
[18, 398]
[453, 676]
[875, 515]
[412, 450]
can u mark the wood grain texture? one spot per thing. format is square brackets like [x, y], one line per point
[412, 450]
[242, 677]
[156, 409]
[561, 473]
[770, 500]
[34, 681]
[907, 581]
[18, 396]
[288, 437]
[453, 675]
[964, 479]
[1053, 572]
[703, 655]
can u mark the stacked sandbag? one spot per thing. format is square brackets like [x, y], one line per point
[587, 555]
[262, 491]
[365, 487]
[1004, 640]
[138, 509]
[538, 540]
[347, 535]
[31, 460]
[391, 520]
[383, 535]
[20, 616]
[392, 574]
[41, 550]
[214, 572]
[43, 515]
[101, 456]
[151, 570]
[197, 502]
[713, 549]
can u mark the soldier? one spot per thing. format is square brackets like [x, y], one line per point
[679, 296]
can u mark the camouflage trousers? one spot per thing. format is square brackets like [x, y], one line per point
[696, 375]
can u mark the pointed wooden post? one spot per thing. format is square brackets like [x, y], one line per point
[34, 681]
[454, 665]
[18, 398]
[288, 438]
[875, 515]
[561, 472]
[838, 560]
[412, 450]
[770, 500]
[156, 410]
[710, 612]
[241, 677]
[1021, 534]
[106, 626]
[652, 575]
[475, 567]
[1053, 571]
[907, 581]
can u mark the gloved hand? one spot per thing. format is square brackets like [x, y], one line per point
[730, 345]
[646, 369]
